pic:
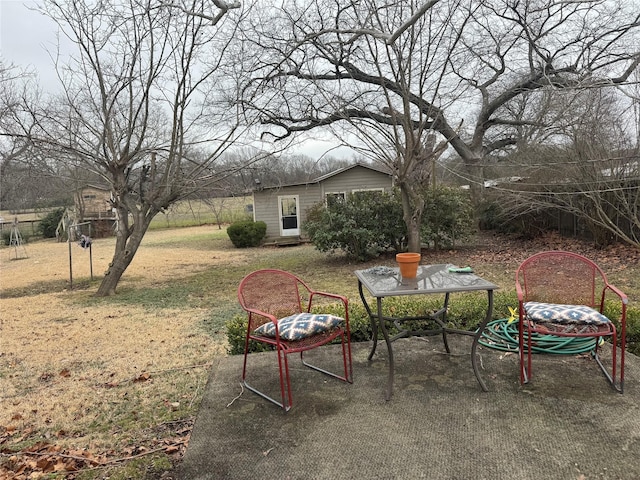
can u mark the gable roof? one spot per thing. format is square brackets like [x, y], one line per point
[322, 178]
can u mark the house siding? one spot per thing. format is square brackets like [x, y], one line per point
[266, 208]
[358, 178]
[265, 201]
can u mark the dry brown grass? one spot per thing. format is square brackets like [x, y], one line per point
[85, 374]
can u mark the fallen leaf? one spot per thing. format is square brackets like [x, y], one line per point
[143, 377]
[172, 449]
[45, 464]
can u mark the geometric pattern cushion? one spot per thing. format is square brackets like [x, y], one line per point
[300, 325]
[564, 314]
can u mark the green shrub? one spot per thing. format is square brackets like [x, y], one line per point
[364, 225]
[612, 309]
[236, 333]
[368, 223]
[466, 312]
[49, 223]
[633, 330]
[447, 217]
[247, 234]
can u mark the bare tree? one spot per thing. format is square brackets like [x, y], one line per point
[11, 149]
[141, 100]
[28, 179]
[401, 80]
[594, 175]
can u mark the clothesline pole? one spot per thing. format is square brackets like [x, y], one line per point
[70, 262]
[86, 243]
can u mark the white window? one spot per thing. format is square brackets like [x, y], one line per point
[356, 190]
[333, 197]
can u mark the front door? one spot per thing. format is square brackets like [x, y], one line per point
[289, 220]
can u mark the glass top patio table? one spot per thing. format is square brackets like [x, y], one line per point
[382, 282]
[387, 282]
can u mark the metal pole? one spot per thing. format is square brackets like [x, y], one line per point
[70, 260]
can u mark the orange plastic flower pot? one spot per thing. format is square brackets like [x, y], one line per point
[408, 263]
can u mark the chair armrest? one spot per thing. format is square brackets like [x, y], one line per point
[342, 298]
[261, 313]
[623, 297]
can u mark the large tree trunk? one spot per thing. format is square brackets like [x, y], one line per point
[127, 242]
[412, 215]
[414, 244]
[475, 172]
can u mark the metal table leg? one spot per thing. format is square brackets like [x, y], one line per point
[385, 334]
[378, 322]
[373, 320]
[476, 339]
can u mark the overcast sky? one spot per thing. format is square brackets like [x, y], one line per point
[26, 36]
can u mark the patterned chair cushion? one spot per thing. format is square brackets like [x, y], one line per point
[563, 314]
[299, 326]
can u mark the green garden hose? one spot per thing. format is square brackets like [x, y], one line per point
[502, 335]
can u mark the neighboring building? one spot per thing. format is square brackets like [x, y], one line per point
[94, 201]
[283, 208]
[93, 204]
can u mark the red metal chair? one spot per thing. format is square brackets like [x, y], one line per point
[563, 294]
[279, 306]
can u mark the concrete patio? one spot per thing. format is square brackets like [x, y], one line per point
[567, 424]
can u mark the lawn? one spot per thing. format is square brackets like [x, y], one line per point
[111, 386]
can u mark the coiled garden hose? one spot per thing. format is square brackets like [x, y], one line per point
[502, 335]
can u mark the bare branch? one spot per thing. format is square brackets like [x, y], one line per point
[223, 6]
[414, 18]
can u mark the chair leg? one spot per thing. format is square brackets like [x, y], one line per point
[348, 364]
[346, 361]
[285, 379]
[528, 371]
[285, 383]
[524, 377]
[612, 377]
[525, 363]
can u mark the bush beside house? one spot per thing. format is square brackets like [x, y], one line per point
[247, 234]
[368, 223]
